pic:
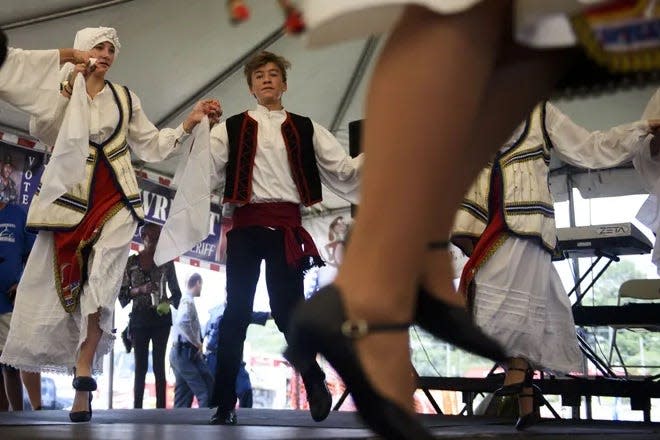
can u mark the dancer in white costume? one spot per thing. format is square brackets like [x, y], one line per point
[445, 94]
[62, 319]
[506, 224]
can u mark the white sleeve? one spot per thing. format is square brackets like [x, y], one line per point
[652, 110]
[597, 149]
[29, 79]
[147, 142]
[219, 156]
[339, 171]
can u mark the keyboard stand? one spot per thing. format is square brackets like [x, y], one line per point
[600, 364]
[599, 255]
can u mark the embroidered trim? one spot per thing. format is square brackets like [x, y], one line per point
[524, 156]
[122, 149]
[68, 203]
[134, 200]
[294, 151]
[490, 252]
[601, 31]
[70, 299]
[530, 208]
[475, 210]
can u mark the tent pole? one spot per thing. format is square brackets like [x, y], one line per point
[61, 14]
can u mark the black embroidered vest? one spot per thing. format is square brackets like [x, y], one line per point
[297, 132]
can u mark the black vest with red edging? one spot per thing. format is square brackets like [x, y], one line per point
[297, 131]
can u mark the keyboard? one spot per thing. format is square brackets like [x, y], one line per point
[596, 240]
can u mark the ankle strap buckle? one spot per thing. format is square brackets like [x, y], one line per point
[355, 329]
[359, 328]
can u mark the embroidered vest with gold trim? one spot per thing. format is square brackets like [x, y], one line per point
[297, 131]
[528, 204]
[68, 210]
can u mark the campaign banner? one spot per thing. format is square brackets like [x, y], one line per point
[329, 233]
[20, 173]
[157, 200]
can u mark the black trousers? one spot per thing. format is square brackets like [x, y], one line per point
[246, 248]
[141, 337]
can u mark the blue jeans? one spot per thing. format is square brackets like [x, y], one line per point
[192, 375]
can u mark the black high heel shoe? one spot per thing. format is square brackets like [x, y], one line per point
[516, 388]
[83, 383]
[526, 420]
[454, 325]
[319, 325]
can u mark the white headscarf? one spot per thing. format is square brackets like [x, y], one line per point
[87, 38]
[67, 165]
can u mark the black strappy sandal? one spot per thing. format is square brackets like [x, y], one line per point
[83, 383]
[526, 420]
[516, 388]
[319, 325]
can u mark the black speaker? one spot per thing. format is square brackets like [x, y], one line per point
[3, 47]
[354, 137]
[354, 147]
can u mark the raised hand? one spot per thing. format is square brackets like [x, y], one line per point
[654, 129]
[80, 56]
[204, 107]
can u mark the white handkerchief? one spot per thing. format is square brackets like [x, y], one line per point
[67, 165]
[189, 217]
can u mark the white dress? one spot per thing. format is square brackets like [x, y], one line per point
[538, 22]
[530, 316]
[43, 336]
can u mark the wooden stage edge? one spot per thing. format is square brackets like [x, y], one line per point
[257, 424]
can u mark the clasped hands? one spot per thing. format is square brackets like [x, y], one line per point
[145, 289]
[82, 63]
[204, 107]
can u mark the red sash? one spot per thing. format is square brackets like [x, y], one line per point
[299, 246]
[72, 248]
[491, 239]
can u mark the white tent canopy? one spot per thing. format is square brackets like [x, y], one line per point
[175, 52]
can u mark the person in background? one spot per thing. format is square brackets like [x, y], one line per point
[150, 320]
[193, 377]
[15, 246]
[8, 190]
[211, 336]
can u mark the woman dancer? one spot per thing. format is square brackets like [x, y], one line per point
[62, 319]
[451, 84]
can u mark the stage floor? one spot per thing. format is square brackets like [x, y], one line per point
[257, 424]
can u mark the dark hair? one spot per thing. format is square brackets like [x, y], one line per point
[263, 58]
[3, 47]
[148, 226]
[193, 280]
